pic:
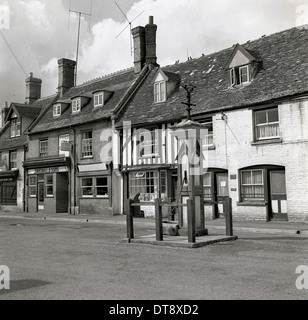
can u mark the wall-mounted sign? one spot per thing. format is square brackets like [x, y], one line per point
[233, 176]
[48, 170]
[66, 146]
[2, 163]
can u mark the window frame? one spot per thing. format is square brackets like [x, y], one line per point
[57, 110]
[15, 126]
[266, 124]
[60, 152]
[86, 154]
[98, 96]
[45, 153]
[32, 186]
[145, 145]
[11, 161]
[245, 199]
[76, 105]
[94, 187]
[159, 95]
[236, 75]
[48, 185]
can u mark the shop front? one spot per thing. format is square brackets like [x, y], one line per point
[48, 186]
[8, 187]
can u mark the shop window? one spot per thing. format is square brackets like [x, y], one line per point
[15, 128]
[207, 186]
[252, 185]
[44, 148]
[13, 160]
[32, 186]
[101, 187]
[267, 124]
[49, 185]
[94, 187]
[147, 184]
[86, 144]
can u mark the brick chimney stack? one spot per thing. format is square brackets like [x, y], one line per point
[150, 41]
[66, 75]
[33, 89]
[138, 34]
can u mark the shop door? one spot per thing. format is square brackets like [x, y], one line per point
[40, 196]
[278, 195]
[222, 191]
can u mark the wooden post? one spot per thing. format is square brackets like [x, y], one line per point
[130, 219]
[191, 221]
[158, 221]
[228, 216]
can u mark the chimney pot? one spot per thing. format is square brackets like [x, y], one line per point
[33, 89]
[66, 75]
[151, 20]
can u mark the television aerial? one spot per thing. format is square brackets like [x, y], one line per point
[129, 25]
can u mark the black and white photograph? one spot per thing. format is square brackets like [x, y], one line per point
[154, 153]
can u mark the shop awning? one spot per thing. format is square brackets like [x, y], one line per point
[12, 174]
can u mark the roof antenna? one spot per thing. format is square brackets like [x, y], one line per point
[129, 25]
[78, 35]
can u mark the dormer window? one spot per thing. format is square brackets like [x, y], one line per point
[242, 66]
[15, 128]
[57, 110]
[160, 91]
[98, 99]
[239, 75]
[76, 105]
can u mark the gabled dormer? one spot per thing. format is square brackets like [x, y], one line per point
[78, 103]
[19, 117]
[100, 97]
[164, 83]
[241, 67]
[59, 108]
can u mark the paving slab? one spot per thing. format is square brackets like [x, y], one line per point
[179, 241]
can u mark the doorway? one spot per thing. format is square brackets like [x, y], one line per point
[221, 183]
[41, 193]
[277, 195]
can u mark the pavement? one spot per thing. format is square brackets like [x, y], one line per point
[273, 227]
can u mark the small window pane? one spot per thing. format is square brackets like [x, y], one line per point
[273, 115]
[261, 117]
[87, 182]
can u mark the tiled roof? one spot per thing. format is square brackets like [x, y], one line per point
[283, 72]
[118, 83]
[24, 110]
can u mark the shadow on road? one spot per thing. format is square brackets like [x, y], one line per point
[17, 285]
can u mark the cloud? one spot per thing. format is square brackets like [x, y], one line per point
[40, 34]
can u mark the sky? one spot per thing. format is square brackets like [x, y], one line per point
[34, 34]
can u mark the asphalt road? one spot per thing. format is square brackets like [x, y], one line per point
[71, 260]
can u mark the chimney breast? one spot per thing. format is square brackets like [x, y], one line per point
[150, 41]
[66, 76]
[33, 89]
[138, 34]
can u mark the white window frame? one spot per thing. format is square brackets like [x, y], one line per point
[237, 80]
[94, 186]
[57, 110]
[43, 148]
[98, 99]
[152, 146]
[15, 127]
[13, 159]
[87, 145]
[159, 94]
[48, 195]
[32, 186]
[243, 199]
[275, 123]
[76, 105]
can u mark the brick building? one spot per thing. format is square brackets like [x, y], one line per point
[14, 143]
[69, 165]
[253, 99]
